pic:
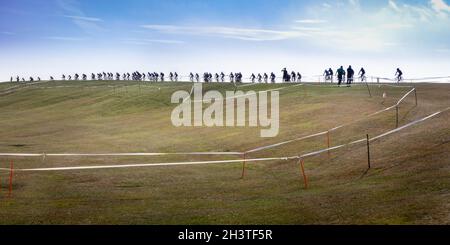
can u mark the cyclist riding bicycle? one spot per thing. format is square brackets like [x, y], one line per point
[399, 74]
[362, 75]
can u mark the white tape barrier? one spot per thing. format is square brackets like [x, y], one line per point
[330, 130]
[376, 137]
[330, 149]
[190, 94]
[228, 161]
[21, 154]
[285, 142]
[147, 164]
[397, 104]
[406, 95]
[377, 112]
[409, 124]
[312, 83]
[413, 79]
[390, 85]
[204, 153]
[116, 154]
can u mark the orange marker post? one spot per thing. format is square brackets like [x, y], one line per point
[305, 178]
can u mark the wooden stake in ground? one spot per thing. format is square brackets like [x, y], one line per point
[368, 151]
[396, 116]
[10, 179]
[302, 168]
[368, 88]
[243, 166]
[328, 144]
[415, 94]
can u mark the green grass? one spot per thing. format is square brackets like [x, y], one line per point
[408, 184]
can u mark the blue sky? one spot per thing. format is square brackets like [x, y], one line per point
[51, 37]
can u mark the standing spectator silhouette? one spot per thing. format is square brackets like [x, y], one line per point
[340, 74]
[350, 74]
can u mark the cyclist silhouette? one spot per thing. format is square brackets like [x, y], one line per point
[399, 75]
[362, 75]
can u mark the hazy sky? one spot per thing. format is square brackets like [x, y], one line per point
[51, 37]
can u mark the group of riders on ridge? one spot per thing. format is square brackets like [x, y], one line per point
[341, 74]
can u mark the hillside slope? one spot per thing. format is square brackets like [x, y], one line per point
[409, 182]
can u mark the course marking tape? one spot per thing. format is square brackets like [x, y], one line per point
[227, 161]
[147, 164]
[207, 153]
[285, 142]
[115, 154]
[379, 136]
[330, 130]
[409, 124]
[404, 96]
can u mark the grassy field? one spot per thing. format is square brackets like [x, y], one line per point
[409, 182]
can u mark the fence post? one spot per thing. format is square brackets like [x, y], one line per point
[368, 151]
[368, 88]
[396, 116]
[328, 143]
[415, 94]
[10, 179]
[305, 178]
[243, 166]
